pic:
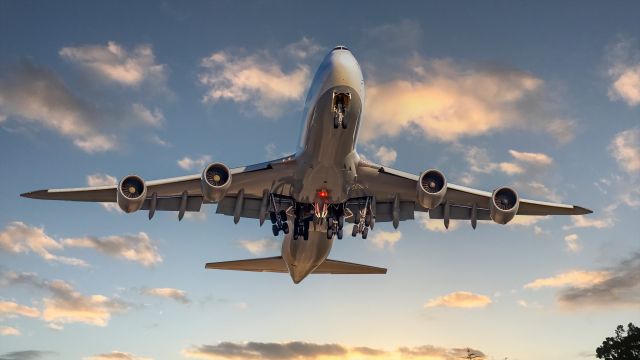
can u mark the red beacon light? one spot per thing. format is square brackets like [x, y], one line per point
[323, 194]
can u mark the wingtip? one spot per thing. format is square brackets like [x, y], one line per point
[37, 194]
[582, 211]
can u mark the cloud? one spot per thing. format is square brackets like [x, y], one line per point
[9, 331]
[436, 225]
[64, 305]
[311, 351]
[257, 247]
[170, 293]
[525, 220]
[116, 355]
[99, 179]
[303, 49]
[257, 79]
[10, 309]
[189, 164]
[445, 101]
[17, 237]
[153, 118]
[536, 159]
[625, 148]
[572, 243]
[36, 94]
[574, 278]
[382, 239]
[25, 355]
[624, 72]
[527, 305]
[139, 247]
[460, 299]
[580, 221]
[114, 63]
[620, 287]
[386, 156]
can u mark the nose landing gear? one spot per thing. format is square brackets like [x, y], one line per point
[340, 106]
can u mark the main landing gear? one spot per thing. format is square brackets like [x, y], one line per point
[363, 219]
[301, 222]
[278, 219]
[335, 222]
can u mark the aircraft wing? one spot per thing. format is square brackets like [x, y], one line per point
[251, 180]
[385, 184]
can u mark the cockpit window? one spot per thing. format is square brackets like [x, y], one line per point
[340, 47]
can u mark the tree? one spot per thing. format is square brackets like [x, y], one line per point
[624, 346]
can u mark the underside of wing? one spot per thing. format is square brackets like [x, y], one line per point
[271, 264]
[342, 267]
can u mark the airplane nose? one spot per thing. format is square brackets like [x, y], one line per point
[340, 47]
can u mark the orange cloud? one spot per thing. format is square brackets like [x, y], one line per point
[575, 278]
[460, 299]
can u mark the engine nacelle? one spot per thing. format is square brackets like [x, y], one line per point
[132, 192]
[216, 180]
[504, 205]
[432, 186]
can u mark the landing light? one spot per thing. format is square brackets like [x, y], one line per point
[323, 194]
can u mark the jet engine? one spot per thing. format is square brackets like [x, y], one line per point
[504, 205]
[216, 180]
[132, 192]
[432, 186]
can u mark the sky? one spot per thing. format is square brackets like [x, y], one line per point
[541, 96]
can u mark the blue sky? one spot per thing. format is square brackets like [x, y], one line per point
[544, 97]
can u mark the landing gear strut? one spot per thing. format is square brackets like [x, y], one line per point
[335, 222]
[278, 219]
[301, 223]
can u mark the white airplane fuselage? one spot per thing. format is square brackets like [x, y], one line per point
[326, 158]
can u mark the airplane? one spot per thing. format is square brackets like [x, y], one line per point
[311, 195]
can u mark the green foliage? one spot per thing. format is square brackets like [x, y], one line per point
[625, 345]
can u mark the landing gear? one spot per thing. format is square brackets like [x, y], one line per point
[363, 217]
[301, 223]
[335, 222]
[340, 106]
[278, 219]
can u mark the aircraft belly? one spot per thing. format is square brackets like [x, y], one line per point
[304, 256]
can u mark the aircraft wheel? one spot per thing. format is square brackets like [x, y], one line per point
[340, 222]
[344, 122]
[336, 121]
[367, 219]
[285, 228]
[340, 234]
[354, 232]
[275, 229]
[330, 223]
[329, 233]
[273, 217]
[365, 232]
[373, 221]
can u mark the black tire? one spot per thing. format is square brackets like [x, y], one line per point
[340, 234]
[273, 217]
[329, 233]
[336, 123]
[285, 228]
[354, 232]
[283, 216]
[275, 229]
[365, 232]
[373, 222]
[340, 221]
[344, 121]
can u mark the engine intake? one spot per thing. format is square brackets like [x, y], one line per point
[216, 180]
[132, 192]
[432, 186]
[504, 205]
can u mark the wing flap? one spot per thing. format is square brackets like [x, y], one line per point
[271, 264]
[172, 203]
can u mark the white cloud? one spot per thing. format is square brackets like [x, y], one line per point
[260, 246]
[153, 118]
[526, 220]
[386, 155]
[572, 243]
[625, 148]
[624, 72]
[436, 225]
[36, 94]
[581, 221]
[17, 237]
[445, 101]
[303, 49]
[115, 63]
[527, 305]
[170, 293]
[99, 179]
[138, 248]
[10, 309]
[256, 79]
[536, 159]
[9, 331]
[116, 355]
[460, 299]
[382, 239]
[188, 163]
[574, 278]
